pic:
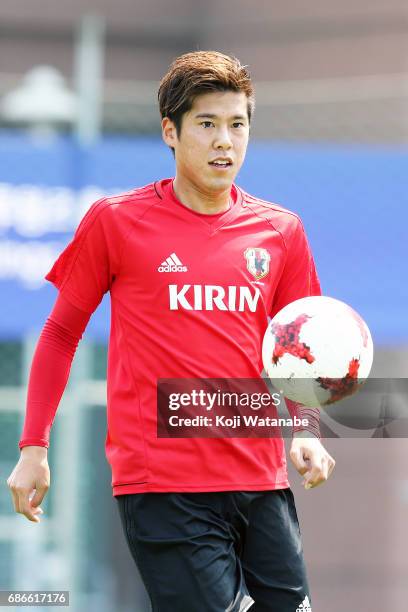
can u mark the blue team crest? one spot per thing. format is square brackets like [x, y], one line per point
[257, 262]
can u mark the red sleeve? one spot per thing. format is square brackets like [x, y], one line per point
[50, 369]
[85, 270]
[299, 279]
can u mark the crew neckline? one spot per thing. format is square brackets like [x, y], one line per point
[165, 191]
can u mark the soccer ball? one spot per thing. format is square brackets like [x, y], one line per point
[317, 350]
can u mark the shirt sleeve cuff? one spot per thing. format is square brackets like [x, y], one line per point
[313, 417]
[33, 442]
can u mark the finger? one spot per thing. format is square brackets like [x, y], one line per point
[311, 481]
[316, 480]
[39, 495]
[35, 500]
[299, 461]
[14, 499]
[312, 484]
[332, 463]
[325, 468]
[16, 496]
[315, 476]
[13, 496]
[25, 506]
[16, 502]
[313, 464]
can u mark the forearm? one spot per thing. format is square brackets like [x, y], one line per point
[50, 370]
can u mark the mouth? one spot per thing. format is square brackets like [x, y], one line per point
[221, 164]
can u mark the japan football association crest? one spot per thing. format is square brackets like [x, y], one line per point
[257, 262]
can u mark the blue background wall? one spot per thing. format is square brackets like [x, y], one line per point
[353, 202]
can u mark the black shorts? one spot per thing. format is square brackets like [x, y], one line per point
[217, 552]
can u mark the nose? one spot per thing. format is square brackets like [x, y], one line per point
[222, 139]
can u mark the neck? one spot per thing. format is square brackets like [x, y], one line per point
[199, 201]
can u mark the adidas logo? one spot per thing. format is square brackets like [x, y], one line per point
[304, 606]
[172, 264]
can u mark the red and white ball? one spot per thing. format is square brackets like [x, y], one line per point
[317, 350]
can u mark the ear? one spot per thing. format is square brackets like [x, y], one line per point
[169, 133]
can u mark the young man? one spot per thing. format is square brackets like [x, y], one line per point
[194, 266]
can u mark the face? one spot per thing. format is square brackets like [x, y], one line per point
[217, 126]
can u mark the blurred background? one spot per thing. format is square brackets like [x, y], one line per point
[79, 118]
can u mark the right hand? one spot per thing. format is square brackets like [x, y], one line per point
[31, 472]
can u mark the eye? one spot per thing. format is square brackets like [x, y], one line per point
[206, 123]
[237, 123]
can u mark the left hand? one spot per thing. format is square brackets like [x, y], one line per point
[311, 459]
